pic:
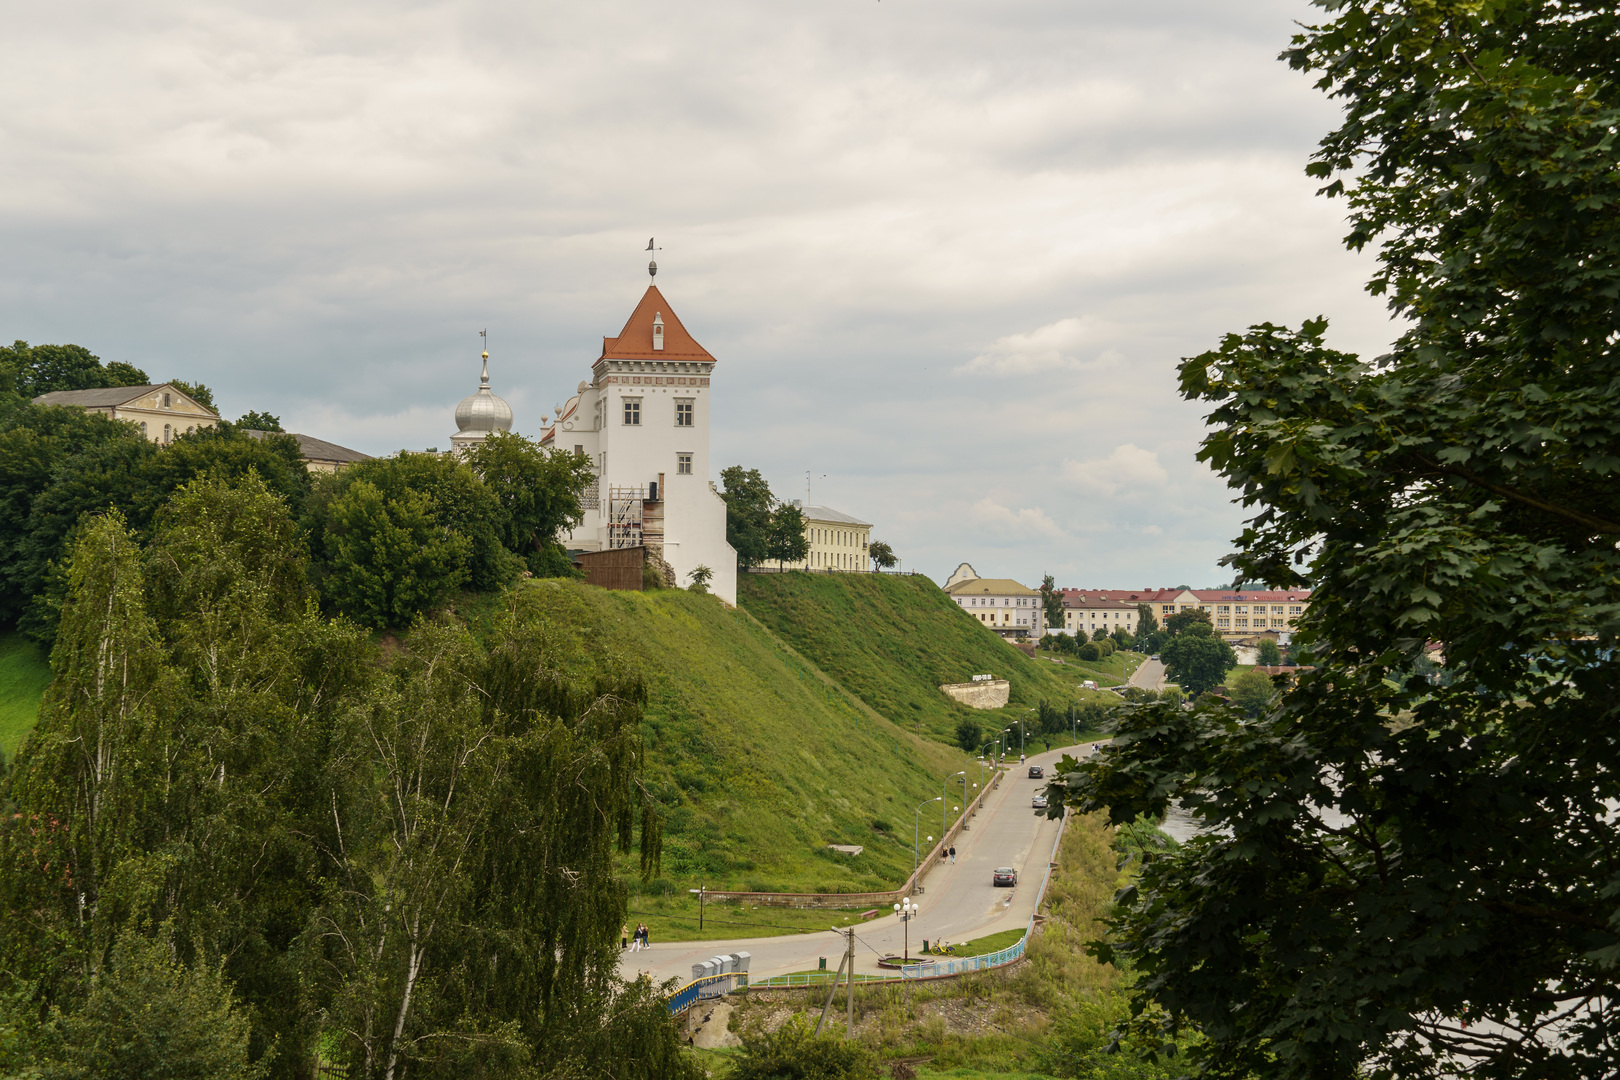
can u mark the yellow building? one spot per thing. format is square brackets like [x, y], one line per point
[162, 412]
[1010, 609]
[837, 542]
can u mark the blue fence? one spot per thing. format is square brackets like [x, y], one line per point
[706, 987]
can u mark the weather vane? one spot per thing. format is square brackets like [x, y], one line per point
[652, 264]
[484, 334]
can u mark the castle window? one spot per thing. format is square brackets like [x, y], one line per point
[683, 412]
[683, 464]
[632, 412]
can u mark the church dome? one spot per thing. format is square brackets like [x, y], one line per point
[484, 411]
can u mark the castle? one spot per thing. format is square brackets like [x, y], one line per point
[643, 420]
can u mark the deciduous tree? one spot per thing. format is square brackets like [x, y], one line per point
[1401, 879]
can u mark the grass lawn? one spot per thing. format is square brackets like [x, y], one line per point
[757, 758]
[992, 943]
[24, 675]
[675, 918]
[894, 640]
[1115, 670]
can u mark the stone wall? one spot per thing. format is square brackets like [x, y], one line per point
[980, 695]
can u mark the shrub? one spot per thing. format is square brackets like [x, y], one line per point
[793, 1053]
[1089, 651]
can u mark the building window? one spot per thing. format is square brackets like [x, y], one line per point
[683, 413]
[683, 464]
[166, 402]
[1243, 622]
[1294, 610]
[143, 429]
[632, 412]
[166, 430]
[1241, 610]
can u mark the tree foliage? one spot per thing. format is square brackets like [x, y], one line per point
[882, 555]
[794, 1052]
[414, 857]
[1404, 879]
[1051, 602]
[259, 421]
[969, 735]
[760, 527]
[32, 370]
[540, 495]
[1268, 653]
[1195, 656]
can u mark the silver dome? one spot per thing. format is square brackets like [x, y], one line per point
[484, 411]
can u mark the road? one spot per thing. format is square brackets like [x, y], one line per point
[1150, 675]
[958, 901]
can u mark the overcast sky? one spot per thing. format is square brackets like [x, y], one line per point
[947, 254]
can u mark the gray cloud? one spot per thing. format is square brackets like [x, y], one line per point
[947, 253]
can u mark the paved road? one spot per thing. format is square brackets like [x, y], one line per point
[1149, 675]
[958, 901]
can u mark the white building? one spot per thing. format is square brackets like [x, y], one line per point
[480, 414]
[1010, 609]
[836, 541]
[643, 420]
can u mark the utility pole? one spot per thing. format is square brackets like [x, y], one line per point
[845, 963]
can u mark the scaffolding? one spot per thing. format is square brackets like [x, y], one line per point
[624, 516]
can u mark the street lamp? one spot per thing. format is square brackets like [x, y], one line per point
[1021, 726]
[907, 910]
[942, 786]
[916, 826]
[699, 892]
[1004, 742]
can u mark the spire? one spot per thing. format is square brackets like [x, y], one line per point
[652, 264]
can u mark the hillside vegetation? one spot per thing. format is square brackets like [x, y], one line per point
[24, 674]
[894, 639]
[758, 758]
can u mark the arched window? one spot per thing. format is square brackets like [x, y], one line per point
[166, 432]
[143, 429]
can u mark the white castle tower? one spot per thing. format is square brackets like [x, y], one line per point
[643, 420]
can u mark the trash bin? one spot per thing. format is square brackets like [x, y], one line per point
[823, 965]
[925, 944]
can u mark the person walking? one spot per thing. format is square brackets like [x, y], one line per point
[624, 937]
[953, 855]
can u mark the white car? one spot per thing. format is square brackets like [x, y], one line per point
[1038, 802]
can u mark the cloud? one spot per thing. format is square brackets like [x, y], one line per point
[1001, 521]
[1054, 346]
[1129, 469]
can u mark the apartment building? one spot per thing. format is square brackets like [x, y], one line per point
[1235, 613]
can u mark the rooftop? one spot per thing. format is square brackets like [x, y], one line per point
[109, 396]
[983, 586]
[635, 341]
[828, 514]
[314, 449]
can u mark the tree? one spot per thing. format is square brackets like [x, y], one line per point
[1090, 651]
[1252, 691]
[1197, 659]
[259, 421]
[151, 1016]
[1146, 622]
[787, 540]
[1192, 618]
[794, 1052]
[1402, 879]
[540, 495]
[390, 558]
[968, 733]
[882, 555]
[1050, 719]
[1268, 653]
[1051, 602]
[699, 578]
[1122, 638]
[40, 369]
[1099, 634]
[752, 524]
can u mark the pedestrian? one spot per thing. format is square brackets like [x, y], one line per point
[635, 940]
[953, 855]
[646, 936]
[624, 937]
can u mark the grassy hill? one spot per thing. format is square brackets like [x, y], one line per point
[893, 640]
[24, 674]
[759, 759]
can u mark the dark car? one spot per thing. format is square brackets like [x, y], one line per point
[1035, 772]
[1004, 875]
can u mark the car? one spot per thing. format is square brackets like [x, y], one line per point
[1004, 875]
[1155, 656]
[1036, 772]
[1038, 802]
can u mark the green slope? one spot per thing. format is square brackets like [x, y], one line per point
[24, 674]
[894, 639]
[759, 759]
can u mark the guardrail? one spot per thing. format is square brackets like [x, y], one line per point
[706, 987]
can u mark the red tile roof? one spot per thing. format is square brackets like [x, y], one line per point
[635, 341]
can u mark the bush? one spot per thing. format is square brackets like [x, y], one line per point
[967, 734]
[1269, 654]
[1091, 650]
[793, 1053]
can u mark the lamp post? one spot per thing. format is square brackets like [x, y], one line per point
[1003, 743]
[907, 910]
[699, 892]
[916, 826]
[1021, 726]
[943, 785]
